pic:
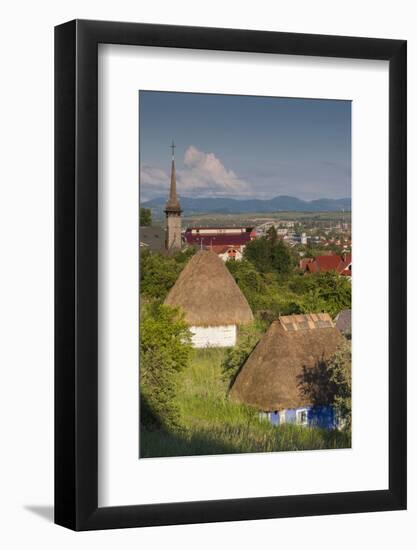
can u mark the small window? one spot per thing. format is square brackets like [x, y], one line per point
[302, 417]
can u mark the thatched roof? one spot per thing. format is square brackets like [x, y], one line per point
[208, 294]
[270, 378]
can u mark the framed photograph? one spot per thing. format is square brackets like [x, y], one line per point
[216, 357]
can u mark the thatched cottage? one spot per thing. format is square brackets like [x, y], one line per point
[271, 378]
[211, 300]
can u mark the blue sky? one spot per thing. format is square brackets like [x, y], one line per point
[244, 146]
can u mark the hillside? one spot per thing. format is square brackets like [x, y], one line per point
[282, 203]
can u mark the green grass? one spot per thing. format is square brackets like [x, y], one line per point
[211, 424]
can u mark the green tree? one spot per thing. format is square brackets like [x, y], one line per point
[270, 254]
[326, 292]
[340, 372]
[267, 296]
[334, 290]
[247, 277]
[330, 383]
[158, 272]
[145, 216]
[165, 348]
[270, 296]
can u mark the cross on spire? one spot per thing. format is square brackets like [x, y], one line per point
[173, 204]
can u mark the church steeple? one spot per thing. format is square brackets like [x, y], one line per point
[173, 211]
[173, 204]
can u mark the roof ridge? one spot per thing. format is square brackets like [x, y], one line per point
[305, 321]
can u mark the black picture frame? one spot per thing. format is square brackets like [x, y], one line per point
[76, 272]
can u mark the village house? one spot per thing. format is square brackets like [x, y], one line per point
[270, 380]
[212, 303]
[329, 262]
[228, 252]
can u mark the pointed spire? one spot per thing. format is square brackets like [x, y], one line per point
[173, 204]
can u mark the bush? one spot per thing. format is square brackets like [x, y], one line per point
[145, 217]
[165, 348]
[270, 295]
[330, 383]
[159, 272]
[327, 292]
[236, 356]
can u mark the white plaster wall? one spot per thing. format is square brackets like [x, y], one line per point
[216, 337]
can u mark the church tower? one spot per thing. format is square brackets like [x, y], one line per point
[173, 213]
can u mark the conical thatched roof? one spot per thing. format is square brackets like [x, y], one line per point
[270, 378]
[208, 294]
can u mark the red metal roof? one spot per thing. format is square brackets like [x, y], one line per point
[217, 239]
[312, 267]
[244, 228]
[331, 262]
[327, 263]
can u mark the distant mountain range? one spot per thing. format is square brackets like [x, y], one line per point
[245, 206]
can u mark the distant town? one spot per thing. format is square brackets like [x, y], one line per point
[320, 245]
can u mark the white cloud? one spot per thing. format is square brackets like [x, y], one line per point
[154, 182]
[203, 174]
[150, 176]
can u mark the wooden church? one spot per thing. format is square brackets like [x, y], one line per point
[212, 302]
[173, 237]
[270, 378]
